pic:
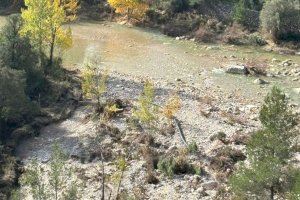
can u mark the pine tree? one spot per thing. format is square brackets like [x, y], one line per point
[268, 151]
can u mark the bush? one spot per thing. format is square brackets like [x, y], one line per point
[280, 19]
[203, 34]
[246, 15]
[14, 104]
[17, 53]
[234, 35]
[256, 39]
[193, 148]
[180, 165]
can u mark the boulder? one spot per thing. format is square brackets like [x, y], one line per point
[260, 81]
[236, 69]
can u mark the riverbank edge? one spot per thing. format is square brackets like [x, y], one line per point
[70, 99]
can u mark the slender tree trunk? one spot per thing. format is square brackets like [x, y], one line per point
[119, 185]
[103, 177]
[272, 193]
[52, 47]
[41, 59]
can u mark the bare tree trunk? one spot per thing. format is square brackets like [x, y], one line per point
[119, 185]
[272, 193]
[103, 176]
[53, 37]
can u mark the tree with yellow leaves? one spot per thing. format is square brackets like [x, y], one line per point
[172, 106]
[132, 8]
[43, 20]
[94, 84]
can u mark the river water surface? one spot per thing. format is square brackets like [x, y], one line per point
[143, 52]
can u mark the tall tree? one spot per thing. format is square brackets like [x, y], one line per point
[43, 21]
[269, 150]
[15, 51]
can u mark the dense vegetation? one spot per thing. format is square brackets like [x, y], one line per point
[30, 77]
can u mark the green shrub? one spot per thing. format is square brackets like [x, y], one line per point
[180, 165]
[281, 19]
[193, 148]
[245, 14]
[256, 39]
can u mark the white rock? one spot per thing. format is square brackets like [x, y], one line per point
[236, 69]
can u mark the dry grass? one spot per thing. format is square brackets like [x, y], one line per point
[233, 119]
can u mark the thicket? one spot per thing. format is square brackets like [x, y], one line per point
[19, 79]
[24, 86]
[280, 19]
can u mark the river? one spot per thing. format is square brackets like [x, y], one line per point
[148, 53]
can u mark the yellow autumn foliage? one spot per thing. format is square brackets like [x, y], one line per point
[94, 83]
[132, 8]
[43, 23]
[172, 106]
[146, 110]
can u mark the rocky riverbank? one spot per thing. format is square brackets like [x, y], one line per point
[218, 123]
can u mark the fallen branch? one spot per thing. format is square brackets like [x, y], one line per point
[177, 122]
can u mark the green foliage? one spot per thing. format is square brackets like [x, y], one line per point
[56, 186]
[16, 195]
[256, 39]
[180, 165]
[294, 193]
[94, 84]
[167, 166]
[281, 19]
[72, 193]
[17, 53]
[240, 12]
[146, 110]
[245, 12]
[43, 20]
[178, 5]
[193, 148]
[57, 166]
[121, 164]
[14, 105]
[275, 114]
[33, 178]
[268, 152]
